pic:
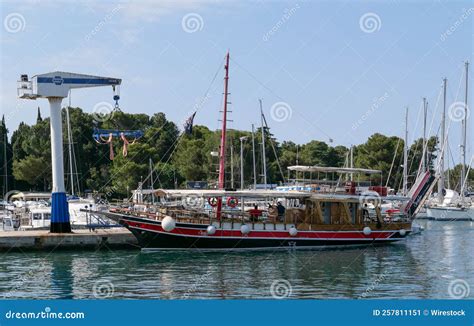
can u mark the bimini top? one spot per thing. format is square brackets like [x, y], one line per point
[315, 168]
[175, 193]
[265, 194]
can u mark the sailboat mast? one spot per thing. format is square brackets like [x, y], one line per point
[264, 158]
[253, 158]
[232, 165]
[224, 127]
[5, 164]
[221, 181]
[443, 145]
[424, 166]
[352, 162]
[150, 162]
[464, 135]
[69, 138]
[405, 157]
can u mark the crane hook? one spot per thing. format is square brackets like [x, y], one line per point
[116, 97]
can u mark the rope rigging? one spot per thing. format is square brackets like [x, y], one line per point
[106, 136]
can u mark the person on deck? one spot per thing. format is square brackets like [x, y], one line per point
[365, 214]
[255, 213]
[281, 211]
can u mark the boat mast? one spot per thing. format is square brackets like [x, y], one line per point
[253, 158]
[221, 182]
[224, 127]
[424, 165]
[232, 165]
[352, 161]
[405, 157]
[264, 159]
[5, 163]
[152, 182]
[443, 145]
[69, 138]
[464, 135]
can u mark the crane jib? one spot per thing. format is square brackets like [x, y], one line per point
[58, 80]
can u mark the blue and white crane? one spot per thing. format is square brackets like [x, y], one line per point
[55, 86]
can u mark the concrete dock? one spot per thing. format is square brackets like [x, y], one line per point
[79, 240]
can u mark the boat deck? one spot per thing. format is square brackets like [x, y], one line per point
[80, 239]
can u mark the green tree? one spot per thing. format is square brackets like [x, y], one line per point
[378, 153]
[5, 160]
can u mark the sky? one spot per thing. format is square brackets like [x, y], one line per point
[325, 70]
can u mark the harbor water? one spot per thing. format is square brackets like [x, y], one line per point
[435, 264]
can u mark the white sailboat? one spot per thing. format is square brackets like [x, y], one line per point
[451, 205]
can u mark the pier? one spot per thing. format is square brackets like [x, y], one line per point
[79, 239]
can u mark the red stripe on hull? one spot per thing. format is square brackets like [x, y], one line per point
[269, 233]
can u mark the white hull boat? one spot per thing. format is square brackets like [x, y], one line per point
[450, 213]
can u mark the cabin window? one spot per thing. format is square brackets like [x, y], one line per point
[47, 216]
[353, 210]
[8, 223]
[36, 216]
[327, 213]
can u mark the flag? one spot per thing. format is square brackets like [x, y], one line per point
[188, 124]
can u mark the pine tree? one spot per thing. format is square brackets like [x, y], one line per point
[5, 157]
[38, 117]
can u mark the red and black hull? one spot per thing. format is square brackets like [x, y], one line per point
[151, 236]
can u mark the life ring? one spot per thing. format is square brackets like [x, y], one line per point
[212, 201]
[232, 202]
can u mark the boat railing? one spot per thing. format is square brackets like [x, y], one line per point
[293, 216]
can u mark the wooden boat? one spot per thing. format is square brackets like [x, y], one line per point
[330, 215]
[311, 220]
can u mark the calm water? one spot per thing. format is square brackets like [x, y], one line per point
[436, 264]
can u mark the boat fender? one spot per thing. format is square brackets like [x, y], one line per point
[293, 231]
[245, 229]
[168, 224]
[211, 230]
[232, 202]
[367, 230]
[402, 232]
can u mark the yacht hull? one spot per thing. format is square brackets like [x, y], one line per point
[151, 236]
[450, 213]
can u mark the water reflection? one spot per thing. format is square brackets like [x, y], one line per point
[421, 267]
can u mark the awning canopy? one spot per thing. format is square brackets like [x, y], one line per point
[266, 194]
[177, 193]
[314, 168]
[30, 196]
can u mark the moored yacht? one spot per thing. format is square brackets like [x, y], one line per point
[316, 215]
